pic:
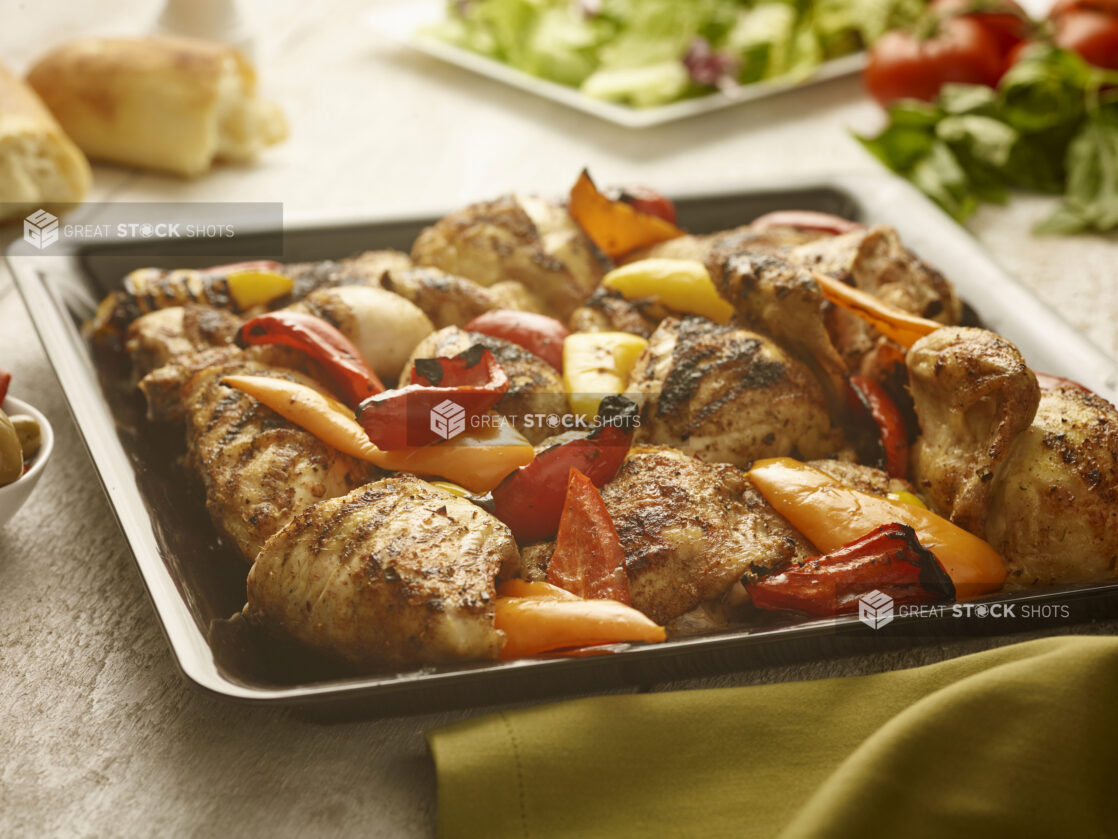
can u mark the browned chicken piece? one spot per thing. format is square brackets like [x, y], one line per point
[449, 300]
[1035, 472]
[158, 337]
[382, 326]
[725, 394]
[691, 531]
[365, 268]
[714, 248]
[394, 574]
[1054, 510]
[523, 238]
[258, 469]
[868, 479]
[974, 395]
[163, 387]
[608, 311]
[535, 387]
[875, 260]
[783, 301]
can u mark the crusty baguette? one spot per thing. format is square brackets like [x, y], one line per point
[38, 164]
[173, 104]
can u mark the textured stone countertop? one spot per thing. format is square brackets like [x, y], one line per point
[99, 733]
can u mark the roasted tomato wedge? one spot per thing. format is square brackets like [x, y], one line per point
[540, 335]
[588, 559]
[530, 500]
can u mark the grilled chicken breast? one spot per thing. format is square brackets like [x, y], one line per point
[366, 268]
[715, 248]
[691, 531]
[522, 238]
[159, 337]
[725, 394]
[396, 573]
[258, 469]
[449, 300]
[535, 387]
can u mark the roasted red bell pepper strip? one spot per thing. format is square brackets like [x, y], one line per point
[530, 500]
[5, 381]
[351, 375]
[1047, 381]
[889, 559]
[645, 199]
[588, 559]
[869, 399]
[806, 220]
[442, 400]
[540, 335]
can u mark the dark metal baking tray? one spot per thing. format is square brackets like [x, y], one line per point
[196, 583]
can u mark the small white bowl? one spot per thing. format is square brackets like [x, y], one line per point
[14, 494]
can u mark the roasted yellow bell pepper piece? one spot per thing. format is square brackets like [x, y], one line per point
[597, 364]
[257, 287]
[831, 515]
[904, 497]
[682, 285]
[477, 459]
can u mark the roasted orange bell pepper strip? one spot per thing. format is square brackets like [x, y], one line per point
[616, 227]
[898, 325]
[477, 459]
[534, 625]
[831, 515]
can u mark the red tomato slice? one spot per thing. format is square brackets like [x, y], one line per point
[540, 335]
[902, 66]
[588, 560]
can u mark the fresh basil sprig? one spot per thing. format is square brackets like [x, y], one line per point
[1051, 126]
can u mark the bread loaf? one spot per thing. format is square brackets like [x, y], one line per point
[173, 104]
[39, 165]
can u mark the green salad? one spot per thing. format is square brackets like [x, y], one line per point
[650, 52]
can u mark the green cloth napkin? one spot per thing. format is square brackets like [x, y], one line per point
[1020, 741]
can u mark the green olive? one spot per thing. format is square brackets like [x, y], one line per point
[30, 435]
[11, 452]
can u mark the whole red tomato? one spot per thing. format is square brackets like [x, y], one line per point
[1007, 22]
[1090, 29]
[904, 66]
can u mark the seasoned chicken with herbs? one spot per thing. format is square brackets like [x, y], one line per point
[159, 337]
[725, 394]
[691, 530]
[523, 238]
[259, 470]
[449, 300]
[535, 387]
[396, 573]
[1034, 471]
